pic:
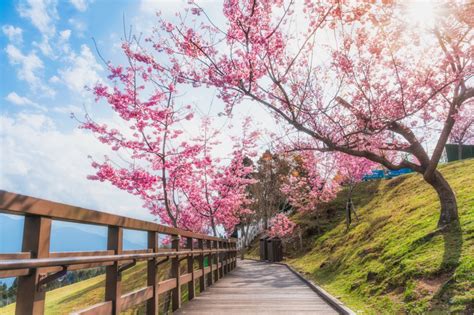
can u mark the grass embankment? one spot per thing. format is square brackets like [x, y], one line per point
[393, 259]
[89, 292]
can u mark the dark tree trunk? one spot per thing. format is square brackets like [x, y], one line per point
[447, 199]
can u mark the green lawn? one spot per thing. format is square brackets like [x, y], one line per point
[394, 260]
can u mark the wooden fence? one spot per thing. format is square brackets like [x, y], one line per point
[36, 266]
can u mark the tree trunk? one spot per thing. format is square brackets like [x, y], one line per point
[213, 225]
[447, 199]
[348, 207]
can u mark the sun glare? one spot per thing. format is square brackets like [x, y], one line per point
[420, 12]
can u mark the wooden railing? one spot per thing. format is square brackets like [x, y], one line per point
[36, 266]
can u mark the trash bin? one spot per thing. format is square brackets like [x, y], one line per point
[263, 248]
[274, 249]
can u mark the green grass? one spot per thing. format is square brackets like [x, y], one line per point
[89, 292]
[393, 259]
[86, 293]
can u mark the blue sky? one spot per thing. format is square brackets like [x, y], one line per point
[47, 56]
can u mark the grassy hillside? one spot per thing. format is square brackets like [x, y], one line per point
[86, 293]
[394, 260]
[79, 295]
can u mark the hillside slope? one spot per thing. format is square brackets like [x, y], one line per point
[86, 293]
[393, 259]
[89, 292]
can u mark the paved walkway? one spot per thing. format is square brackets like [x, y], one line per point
[258, 288]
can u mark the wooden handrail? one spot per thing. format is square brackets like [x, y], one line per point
[36, 266]
[12, 264]
[24, 205]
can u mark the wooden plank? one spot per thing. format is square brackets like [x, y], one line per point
[166, 285]
[104, 308]
[258, 288]
[25, 255]
[21, 204]
[14, 273]
[186, 278]
[136, 297]
[36, 239]
[198, 274]
[112, 276]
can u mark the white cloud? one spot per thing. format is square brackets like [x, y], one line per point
[67, 109]
[54, 79]
[83, 70]
[80, 5]
[16, 99]
[29, 67]
[41, 14]
[78, 25]
[64, 35]
[42, 161]
[45, 47]
[14, 34]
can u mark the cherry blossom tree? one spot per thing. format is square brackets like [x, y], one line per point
[216, 191]
[271, 170]
[310, 182]
[178, 178]
[358, 77]
[281, 226]
[150, 136]
[350, 171]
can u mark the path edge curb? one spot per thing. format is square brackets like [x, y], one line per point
[331, 300]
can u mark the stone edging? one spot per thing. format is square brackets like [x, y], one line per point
[331, 300]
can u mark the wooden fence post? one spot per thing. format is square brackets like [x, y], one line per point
[176, 293]
[113, 286]
[222, 259]
[36, 239]
[191, 290]
[210, 276]
[216, 260]
[226, 258]
[234, 256]
[152, 306]
[202, 280]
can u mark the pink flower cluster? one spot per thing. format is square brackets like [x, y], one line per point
[281, 226]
